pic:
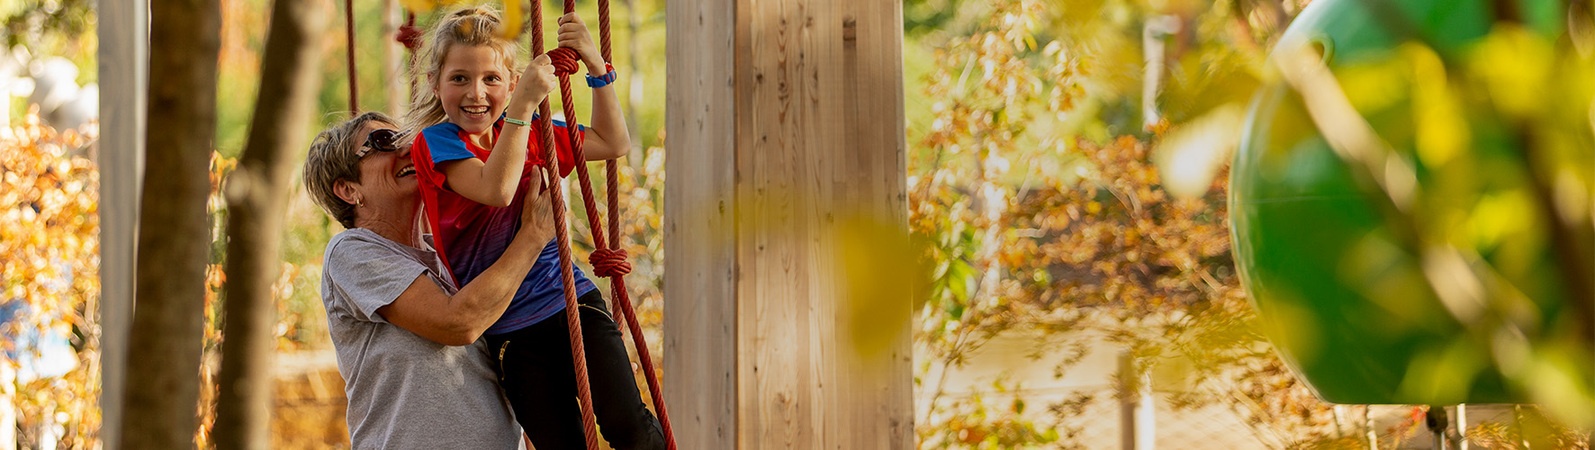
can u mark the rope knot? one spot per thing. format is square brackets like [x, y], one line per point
[409, 35]
[610, 262]
[565, 60]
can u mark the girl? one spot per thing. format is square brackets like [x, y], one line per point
[473, 102]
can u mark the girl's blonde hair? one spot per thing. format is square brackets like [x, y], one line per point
[471, 26]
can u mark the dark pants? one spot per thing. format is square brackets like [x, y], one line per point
[539, 379]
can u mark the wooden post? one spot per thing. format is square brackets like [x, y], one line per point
[700, 340]
[1372, 433]
[1137, 419]
[1153, 51]
[785, 120]
[124, 76]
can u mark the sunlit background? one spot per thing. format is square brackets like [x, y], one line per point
[1069, 170]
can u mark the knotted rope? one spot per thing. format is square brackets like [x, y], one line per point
[556, 196]
[607, 262]
[409, 34]
[612, 263]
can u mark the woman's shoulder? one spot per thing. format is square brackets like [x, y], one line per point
[363, 240]
[361, 237]
[356, 233]
[353, 237]
[359, 246]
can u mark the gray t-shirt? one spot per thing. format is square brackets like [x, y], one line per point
[405, 391]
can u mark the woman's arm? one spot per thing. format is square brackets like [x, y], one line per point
[493, 182]
[607, 135]
[424, 308]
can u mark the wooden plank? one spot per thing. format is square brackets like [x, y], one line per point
[700, 350]
[872, 43]
[820, 136]
[773, 280]
[816, 136]
[124, 73]
[827, 149]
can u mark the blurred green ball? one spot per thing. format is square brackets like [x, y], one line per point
[1348, 304]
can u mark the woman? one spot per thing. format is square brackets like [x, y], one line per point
[415, 372]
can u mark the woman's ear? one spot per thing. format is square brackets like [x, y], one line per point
[347, 191]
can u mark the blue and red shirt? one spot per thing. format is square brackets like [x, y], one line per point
[470, 236]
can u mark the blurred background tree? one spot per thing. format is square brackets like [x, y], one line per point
[1035, 180]
[49, 284]
[50, 53]
[1071, 174]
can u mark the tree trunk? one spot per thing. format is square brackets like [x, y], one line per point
[256, 196]
[173, 238]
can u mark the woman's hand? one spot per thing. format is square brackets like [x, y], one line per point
[533, 86]
[573, 34]
[459, 319]
[537, 215]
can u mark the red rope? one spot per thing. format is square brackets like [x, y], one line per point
[556, 195]
[612, 263]
[409, 34]
[607, 262]
[354, 91]
[566, 61]
[603, 29]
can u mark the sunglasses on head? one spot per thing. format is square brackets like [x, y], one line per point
[382, 140]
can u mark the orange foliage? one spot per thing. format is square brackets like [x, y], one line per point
[49, 243]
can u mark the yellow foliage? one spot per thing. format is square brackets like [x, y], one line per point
[49, 244]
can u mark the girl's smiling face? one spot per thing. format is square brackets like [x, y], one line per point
[474, 86]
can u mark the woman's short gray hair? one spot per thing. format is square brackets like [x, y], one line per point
[332, 158]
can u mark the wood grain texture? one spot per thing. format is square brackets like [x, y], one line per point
[816, 136]
[873, 72]
[700, 342]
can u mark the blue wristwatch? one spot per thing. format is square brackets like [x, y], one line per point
[605, 80]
